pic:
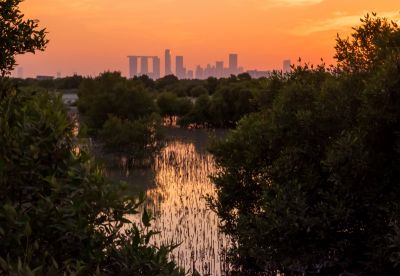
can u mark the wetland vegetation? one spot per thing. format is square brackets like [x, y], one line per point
[304, 181]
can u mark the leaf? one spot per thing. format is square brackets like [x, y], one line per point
[146, 218]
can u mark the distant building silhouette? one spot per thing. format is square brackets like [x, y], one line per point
[156, 68]
[168, 67]
[179, 69]
[286, 66]
[189, 74]
[209, 71]
[219, 69]
[199, 74]
[139, 65]
[144, 66]
[133, 64]
[233, 64]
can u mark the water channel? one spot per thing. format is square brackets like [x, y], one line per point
[175, 188]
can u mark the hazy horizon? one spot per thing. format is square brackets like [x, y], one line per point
[88, 37]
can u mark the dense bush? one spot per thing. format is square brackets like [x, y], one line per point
[58, 214]
[139, 140]
[310, 184]
[111, 94]
[122, 114]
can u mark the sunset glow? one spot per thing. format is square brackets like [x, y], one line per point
[92, 36]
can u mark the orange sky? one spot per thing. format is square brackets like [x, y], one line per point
[91, 36]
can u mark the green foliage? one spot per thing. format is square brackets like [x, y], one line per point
[224, 108]
[198, 91]
[139, 140]
[58, 214]
[18, 35]
[211, 84]
[369, 45]
[199, 115]
[244, 76]
[168, 104]
[123, 113]
[309, 184]
[111, 94]
[221, 102]
[166, 81]
[230, 103]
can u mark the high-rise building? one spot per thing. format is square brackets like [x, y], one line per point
[179, 69]
[286, 66]
[133, 64]
[199, 74]
[233, 64]
[209, 71]
[219, 69]
[144, 66]
[156, 68]
[168, 67]
[189, 74]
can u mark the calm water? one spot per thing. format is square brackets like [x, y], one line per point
[176, 188]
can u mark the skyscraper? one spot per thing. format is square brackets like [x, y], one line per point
[144, 65]
[199, 72]
[189, 74]
[233, 64]
[286, 66]
[156, 68]
[179, 69]
[133, 66]
[168, 70]
[219, 69]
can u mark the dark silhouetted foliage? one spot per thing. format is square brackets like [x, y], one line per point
[18, 35]
[310, 183]
[58, 214]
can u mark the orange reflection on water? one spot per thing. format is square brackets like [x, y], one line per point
[182, 216]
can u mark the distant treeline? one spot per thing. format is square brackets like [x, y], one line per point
[71, 82]
[196, 103]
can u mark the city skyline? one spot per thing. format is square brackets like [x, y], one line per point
[89, 37]
[151, 66]
[216, 69]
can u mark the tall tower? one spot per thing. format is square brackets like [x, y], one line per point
[156, 67]
[144, 65]
[233, 64]
[219, 69]
[199, 72]
[133, 66]
[180, 70]
[168, 70]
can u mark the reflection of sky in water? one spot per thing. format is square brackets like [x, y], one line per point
[177, 200]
